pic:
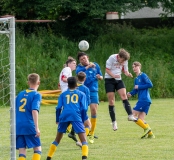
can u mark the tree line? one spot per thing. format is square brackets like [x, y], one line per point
[76, 18]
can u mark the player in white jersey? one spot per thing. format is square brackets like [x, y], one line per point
[66, 72]
[115, 65]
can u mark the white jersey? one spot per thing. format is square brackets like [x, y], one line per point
[115, 67]
[65, 73]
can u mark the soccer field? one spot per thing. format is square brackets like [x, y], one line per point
[123, 144]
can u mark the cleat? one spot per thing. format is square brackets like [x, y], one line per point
[114, 125]
[91, 139]
[48, 158]
[146, 131]
[151, 136]
[145, 135]
[73, 137]
[131, 118]
[68, 131]
[96, 137]
[79, 144]
[84, 157]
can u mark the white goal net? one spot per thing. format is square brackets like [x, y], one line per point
[7, 89]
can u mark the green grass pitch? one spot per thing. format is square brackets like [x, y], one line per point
[123, 144]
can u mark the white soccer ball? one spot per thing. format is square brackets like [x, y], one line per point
[83, 45]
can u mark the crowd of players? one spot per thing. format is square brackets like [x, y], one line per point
[77, 94]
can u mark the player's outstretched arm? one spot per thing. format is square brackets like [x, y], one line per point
[128, 74]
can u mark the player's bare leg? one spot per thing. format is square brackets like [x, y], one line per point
[87, 125]
[22, 154]
[37, 153]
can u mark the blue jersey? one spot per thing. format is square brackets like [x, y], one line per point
[71, 106]
[26, 101]
[91, 80]
[144, 83]
[84, 89]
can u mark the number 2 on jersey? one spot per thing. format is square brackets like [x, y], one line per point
[24, 101]
[74, 98]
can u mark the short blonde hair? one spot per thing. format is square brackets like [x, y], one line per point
[136, 63]
[33, 78]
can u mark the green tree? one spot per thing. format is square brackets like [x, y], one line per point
[29, 9]
[36, 9]
[168, 7]
[77, 17]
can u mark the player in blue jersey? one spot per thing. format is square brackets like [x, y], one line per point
[66, 72]
[27, 109]
[81, 76]
[142, 83]
[71, 108]
[93, 74]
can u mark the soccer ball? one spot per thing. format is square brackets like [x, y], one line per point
[83, 45]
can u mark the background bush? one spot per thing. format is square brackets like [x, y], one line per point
[45, 53]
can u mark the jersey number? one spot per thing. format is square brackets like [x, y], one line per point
[21, 108]
[74, 98]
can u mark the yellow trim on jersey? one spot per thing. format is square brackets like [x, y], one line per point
[79, 84]
[29, 90]
[89, 63]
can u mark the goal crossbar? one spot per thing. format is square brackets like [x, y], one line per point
[4, 32]
[4, 19]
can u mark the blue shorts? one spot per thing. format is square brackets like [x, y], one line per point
[142, 106]
[94, 97]
[78, 127]
[27, 141]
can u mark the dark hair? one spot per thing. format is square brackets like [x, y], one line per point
[70, 59]
[80, 54]
[81, 76]
[72, 82]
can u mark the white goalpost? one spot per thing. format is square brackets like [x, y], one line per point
[7, 89]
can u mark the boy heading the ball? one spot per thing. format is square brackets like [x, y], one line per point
[93, 75]
[115, 65]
